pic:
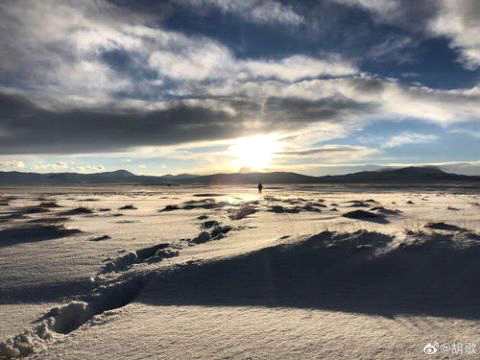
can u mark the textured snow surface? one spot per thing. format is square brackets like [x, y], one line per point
[226, 273]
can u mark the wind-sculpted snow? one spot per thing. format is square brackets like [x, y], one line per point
[33, 232]
[444, 226]
[366, 216]
[66, 318]
[244, 211]
[314, 272]
[363, 271]
[241, 210]
[77, 211]
[49, 220]
[154, 253]
[215, 257]
[22, 213]
[49, 204]
[127, 207]
[207, 204]
[209, 230]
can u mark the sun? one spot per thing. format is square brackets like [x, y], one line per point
[254, 152]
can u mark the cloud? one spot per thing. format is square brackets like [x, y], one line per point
[33, 129]
[95, 51]
[234, 110]
[466, 168]
[88, 168]
[37, 130]
[206, 60]
[334, 151]
[393, 48]
[61, 166]
[11, 165]
[391, 99]
[63, 55]
[199, 59]
[180, 57]
[457, 20]
[466, 132]
[413, 15]
[406, 138]
[299, 67]
[50, 167]
[100, 78]
[362, 97]
[300, 110]
[257, 11]
[386, 8]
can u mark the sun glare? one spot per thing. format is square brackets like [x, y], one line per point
[254, 152]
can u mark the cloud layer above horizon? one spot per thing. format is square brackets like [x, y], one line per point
[169, 86]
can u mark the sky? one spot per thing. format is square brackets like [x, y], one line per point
[203, 86]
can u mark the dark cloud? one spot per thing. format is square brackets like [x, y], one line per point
[332, 149]
[412, 15]
[298, 110]
[368, 85]
[32, 129]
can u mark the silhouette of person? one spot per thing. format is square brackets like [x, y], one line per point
[260, 188]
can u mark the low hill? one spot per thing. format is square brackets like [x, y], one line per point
[405, 175]
[408, 175]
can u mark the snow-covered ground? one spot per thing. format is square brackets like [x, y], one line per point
[225, 273]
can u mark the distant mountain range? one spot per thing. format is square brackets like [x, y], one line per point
[408, 175]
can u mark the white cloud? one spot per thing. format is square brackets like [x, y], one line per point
[406, 138]
[199, 59]
[84, 79]
[466, 132]
[393, 48]
[64, 65]
[50, 167]
[54, 47]
[456, 20]
[88, 168]
[459, 21]
[385, 8]
[258, 11]
[297, 67]
[62, 166]
[465, 168]
[195, 60]
[11, 165]
[388, 99]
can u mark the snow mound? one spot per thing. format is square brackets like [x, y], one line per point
[364, 272]
[444, 226]
[34, 232]
[64, 319]
[243, 212]
[59, 320]
[207, 203]
[28, 342]
[77, 211]
[149, 254]
[366, 216]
